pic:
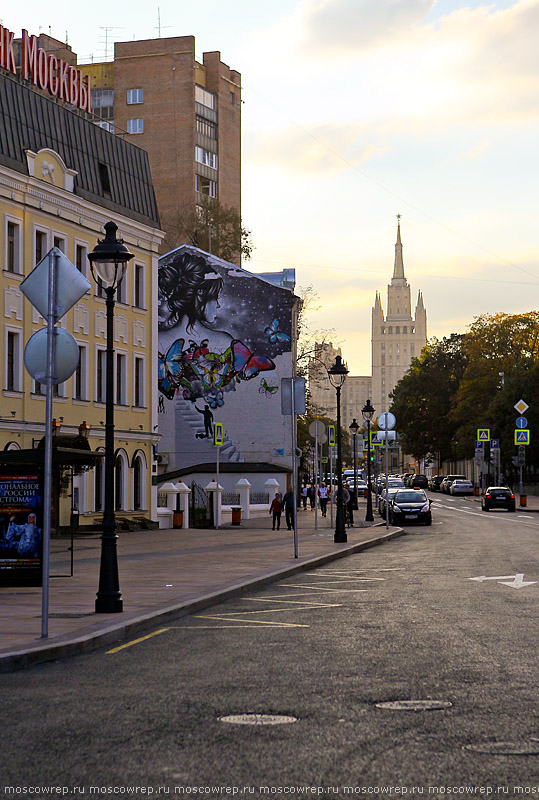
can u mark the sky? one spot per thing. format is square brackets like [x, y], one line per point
[355, 111]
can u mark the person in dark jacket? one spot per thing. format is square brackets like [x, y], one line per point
[288, 502]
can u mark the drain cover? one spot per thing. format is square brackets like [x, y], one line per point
[258, 719]
[415, 705]
[530, 748]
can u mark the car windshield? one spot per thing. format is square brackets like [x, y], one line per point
[410, 497]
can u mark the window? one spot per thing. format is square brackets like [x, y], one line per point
[40, 246]
[59, 242]
[205, 98]
[100, 390]
[138, 483]
[104, 177]
[138, 393]
[139, 286]
[206, 128]
[121, 290]
[404, 329]
[81, 258]
[206, 157]
[13, 361]
[135, 96]
[102, 98]
[206, 186]
[121, 379]
[80, 377]
[119, 470]
[135, 125]
[13, 260]
[98, 485]
[397, 329]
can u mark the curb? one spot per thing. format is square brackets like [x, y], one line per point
[64, 646]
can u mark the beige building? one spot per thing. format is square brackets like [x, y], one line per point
[397, 337]
[59, 190]
[355, 392]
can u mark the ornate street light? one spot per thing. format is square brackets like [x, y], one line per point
[337, 376]
[354, 427]
[368, 412]
[108, 263]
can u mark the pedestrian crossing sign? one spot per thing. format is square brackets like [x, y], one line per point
[483, 434]
[522, 437]
[218, 434]
[331, 435]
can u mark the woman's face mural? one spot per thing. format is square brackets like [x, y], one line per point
[219, 328]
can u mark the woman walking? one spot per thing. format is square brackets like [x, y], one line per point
[276, 508]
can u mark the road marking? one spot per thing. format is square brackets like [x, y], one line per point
[254, 621]
[292, 602]
[514, 581]
[137, 641]
[319, 588]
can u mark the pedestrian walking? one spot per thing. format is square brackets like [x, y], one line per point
[276, 508]
[323, 494]
[288, 503]
[312, 496]
[304, 496]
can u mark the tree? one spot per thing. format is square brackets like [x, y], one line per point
[423, 398]
[213, 227]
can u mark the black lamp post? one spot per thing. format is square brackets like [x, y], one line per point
[108, 263]
[337, 376]
[354, 427]
[368, 412]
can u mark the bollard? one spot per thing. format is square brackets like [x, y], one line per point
[523, 500]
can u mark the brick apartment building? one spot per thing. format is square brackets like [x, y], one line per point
[185, 114]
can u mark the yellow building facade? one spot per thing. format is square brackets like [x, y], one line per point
[58, 191]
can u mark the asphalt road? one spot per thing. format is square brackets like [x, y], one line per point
[396, 623]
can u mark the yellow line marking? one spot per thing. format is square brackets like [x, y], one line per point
[255, 621]
[320, 588]
[137, 641]
[235, 627]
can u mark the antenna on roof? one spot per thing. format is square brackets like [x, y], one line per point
[159, 26]
[107, 29]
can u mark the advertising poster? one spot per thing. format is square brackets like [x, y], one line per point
[21, 529]
[226, 340]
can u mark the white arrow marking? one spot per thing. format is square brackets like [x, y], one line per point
[516, 581]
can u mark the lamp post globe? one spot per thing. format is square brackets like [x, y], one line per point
[108, 262]
[337, 376]
[368, 413]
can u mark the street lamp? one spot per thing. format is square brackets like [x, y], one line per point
[108, 263]
[354, 427]
[368, 412]
[337, 376]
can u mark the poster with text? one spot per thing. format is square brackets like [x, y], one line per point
[21, 528]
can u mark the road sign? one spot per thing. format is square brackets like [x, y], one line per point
[522, 437]
[479, 445]
[494, 444]
[386, 416]
[521, 422]
[218, 438]
[374, 439]
[521, 406]
[317, 428]
[521, 458]
[331, 434]
[483, 434]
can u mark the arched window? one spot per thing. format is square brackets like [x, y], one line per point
[404, 329]
[397, 329]
[12, 446]
[120, 480]
[139, 481]
[99, 484]
[390, 329]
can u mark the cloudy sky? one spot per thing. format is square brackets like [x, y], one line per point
[355, 111]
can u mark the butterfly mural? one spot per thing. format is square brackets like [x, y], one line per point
[274, 334]
[197, 372]
[266, 389]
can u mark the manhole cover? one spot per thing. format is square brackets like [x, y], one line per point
[415, 705]
[530, 748]
[258, 719]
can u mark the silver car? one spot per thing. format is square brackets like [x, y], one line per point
[461, 487]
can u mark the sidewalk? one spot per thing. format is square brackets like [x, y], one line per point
[163, 573]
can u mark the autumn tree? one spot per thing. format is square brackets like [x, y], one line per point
[213, 227]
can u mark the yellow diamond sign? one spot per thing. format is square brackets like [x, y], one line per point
[521, 406]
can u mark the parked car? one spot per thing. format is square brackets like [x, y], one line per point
[418, 482]
[382, 502]
[498, 497]
[461, 487]
[446, 483]
[435, 481]
[410, 505]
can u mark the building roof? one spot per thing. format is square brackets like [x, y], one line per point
[111, 172]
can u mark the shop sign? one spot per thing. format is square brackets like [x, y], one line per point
[45, 70]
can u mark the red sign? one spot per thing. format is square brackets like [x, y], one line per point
[46, 71]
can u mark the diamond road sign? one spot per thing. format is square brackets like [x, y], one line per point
[522, 437]
[521, 406]
[483, 434]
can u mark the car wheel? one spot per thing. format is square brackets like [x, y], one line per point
[484, 508]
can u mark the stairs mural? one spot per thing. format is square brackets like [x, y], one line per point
[190, 428]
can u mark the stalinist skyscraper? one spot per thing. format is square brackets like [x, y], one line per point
[397, 338]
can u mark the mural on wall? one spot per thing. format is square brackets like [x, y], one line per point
[221, 329]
